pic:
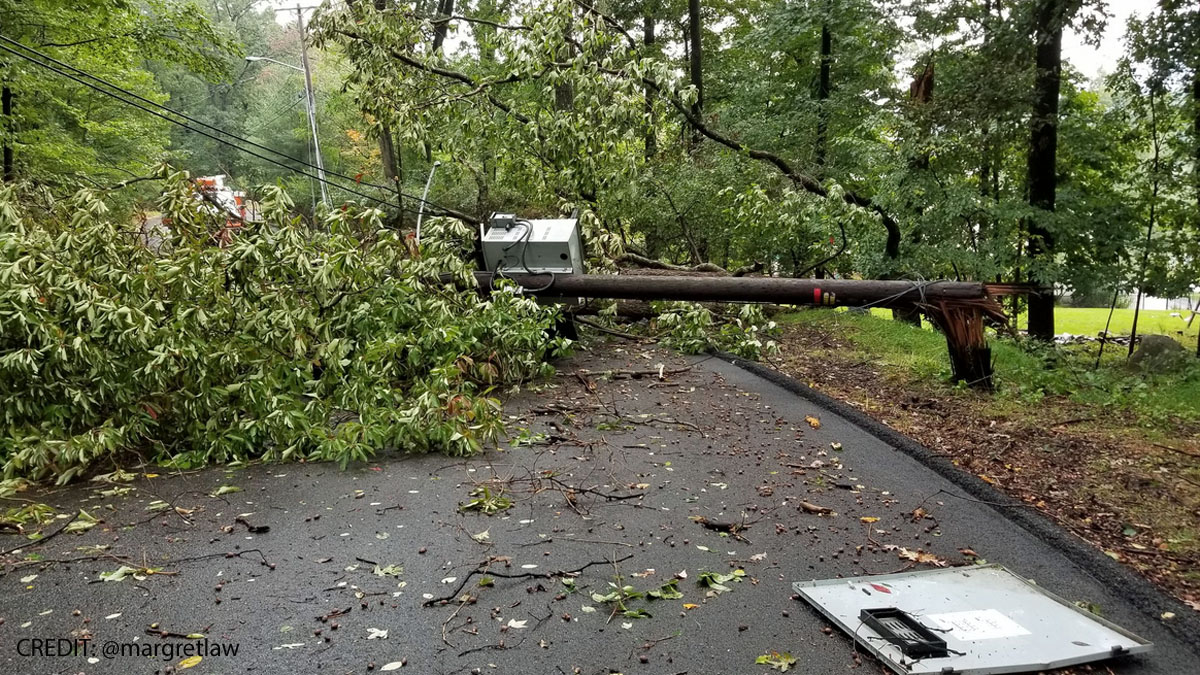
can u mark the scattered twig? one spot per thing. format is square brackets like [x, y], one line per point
[484, 569]
[589, 491]
[598, 541]
[253, 529]
[652, 643]
[613, 332]
[636, 374]
[661, 420]
[44, 539]
[1181, 451]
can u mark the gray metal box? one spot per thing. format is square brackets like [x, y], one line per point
[992, 620]
[550, 245]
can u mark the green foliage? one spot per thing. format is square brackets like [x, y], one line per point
[668, 591]
[692, 329]
[327, 343]
[717, 583]
[65, 134]
[486, 502]
[778, 661]
[621, 594]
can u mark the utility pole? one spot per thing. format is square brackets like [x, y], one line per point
[312, 106]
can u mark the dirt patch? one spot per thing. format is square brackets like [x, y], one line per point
[1092, 470]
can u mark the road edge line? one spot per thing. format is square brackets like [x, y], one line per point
[1123, 582]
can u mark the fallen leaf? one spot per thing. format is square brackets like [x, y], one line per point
[869, 519]
[812, 421]
[224, 490]
[813, 508]
[690, 605]
[921, 557]
[394, 665]
[781, 662]
[83, 523]
[190, 662]
[118, 574]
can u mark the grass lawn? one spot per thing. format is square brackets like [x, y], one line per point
[1027, 372]
[1090, 321]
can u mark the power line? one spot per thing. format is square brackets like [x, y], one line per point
[282, 110]
[218, 130]
[185, 126]
[185, 116]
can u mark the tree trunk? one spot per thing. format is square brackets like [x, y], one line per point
[648, 40]
[1196, 131]
[445, 10]
[387, 146]
[1043, 151]
[823, 98]
[564, 92]
[387, 157]
[6, 102]
[695, 65]
[1137, 304]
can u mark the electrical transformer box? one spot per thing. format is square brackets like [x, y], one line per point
[516, 245]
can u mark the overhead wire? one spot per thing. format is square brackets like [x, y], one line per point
[279, 112]
[156, 113]
[184, 125]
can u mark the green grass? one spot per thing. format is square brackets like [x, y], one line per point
[1025, 372]
[1090, 321]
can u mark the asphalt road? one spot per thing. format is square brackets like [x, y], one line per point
[607, 486]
